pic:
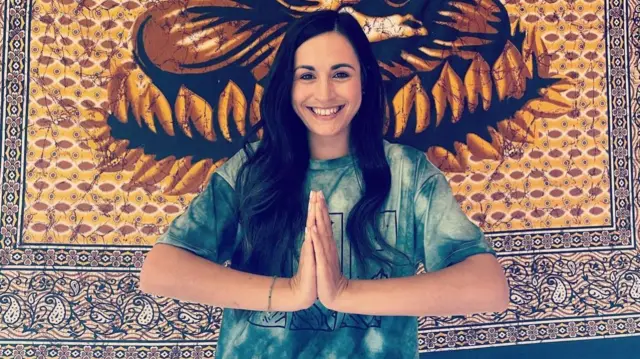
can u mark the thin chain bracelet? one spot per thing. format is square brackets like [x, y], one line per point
[271, 292]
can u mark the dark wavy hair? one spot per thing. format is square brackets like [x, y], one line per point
[270, 184]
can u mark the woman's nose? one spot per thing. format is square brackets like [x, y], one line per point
[324, 90]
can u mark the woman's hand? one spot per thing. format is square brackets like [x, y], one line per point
[331, 283]
[303, 284]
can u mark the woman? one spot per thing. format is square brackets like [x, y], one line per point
[323, 221]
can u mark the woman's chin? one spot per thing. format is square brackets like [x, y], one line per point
[324, 133]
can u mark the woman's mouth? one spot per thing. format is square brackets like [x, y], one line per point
[325, 113]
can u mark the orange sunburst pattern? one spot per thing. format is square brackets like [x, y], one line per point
[83, 187]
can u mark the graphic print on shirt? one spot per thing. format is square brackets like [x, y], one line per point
[388, 226]
[269, 320]
[318, 317]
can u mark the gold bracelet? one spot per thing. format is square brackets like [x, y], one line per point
[271, 292]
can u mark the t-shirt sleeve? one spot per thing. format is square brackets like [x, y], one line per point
[208, 227]
[445, 235]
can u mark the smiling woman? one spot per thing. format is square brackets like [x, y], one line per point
[323, 221]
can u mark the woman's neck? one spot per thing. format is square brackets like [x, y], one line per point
[327, 148]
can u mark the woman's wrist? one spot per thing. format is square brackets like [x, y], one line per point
[283, 298]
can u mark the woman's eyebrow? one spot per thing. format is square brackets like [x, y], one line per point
[337, 66]
[334, 67]
[306, 67]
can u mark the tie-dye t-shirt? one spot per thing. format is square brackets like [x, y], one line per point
[420, 218]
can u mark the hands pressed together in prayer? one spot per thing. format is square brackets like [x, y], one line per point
[474, 285]
[319, 273]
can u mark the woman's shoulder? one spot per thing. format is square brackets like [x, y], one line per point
[230, 168]
[400, 156]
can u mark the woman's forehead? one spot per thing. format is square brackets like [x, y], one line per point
[325, 51]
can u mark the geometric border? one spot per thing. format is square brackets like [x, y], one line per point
[90, 350]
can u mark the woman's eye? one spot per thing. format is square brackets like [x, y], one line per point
[341, 75]
[306, 77]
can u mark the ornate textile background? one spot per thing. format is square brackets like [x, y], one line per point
[115, 113]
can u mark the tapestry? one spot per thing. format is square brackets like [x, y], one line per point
[115, 114]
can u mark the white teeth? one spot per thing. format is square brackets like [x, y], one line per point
[325, 111]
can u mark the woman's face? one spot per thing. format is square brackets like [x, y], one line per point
[327, 90]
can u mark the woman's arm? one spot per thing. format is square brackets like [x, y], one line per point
[474, 285]
[173, 272]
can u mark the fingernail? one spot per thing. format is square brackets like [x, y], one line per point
[321, 195]
[311, 195]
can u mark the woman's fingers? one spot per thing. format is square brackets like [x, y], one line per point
[307, 255]
[318, 244]
[325, 214]
[321, 219]
[322, 216]
[311, 213]
[324, 232]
